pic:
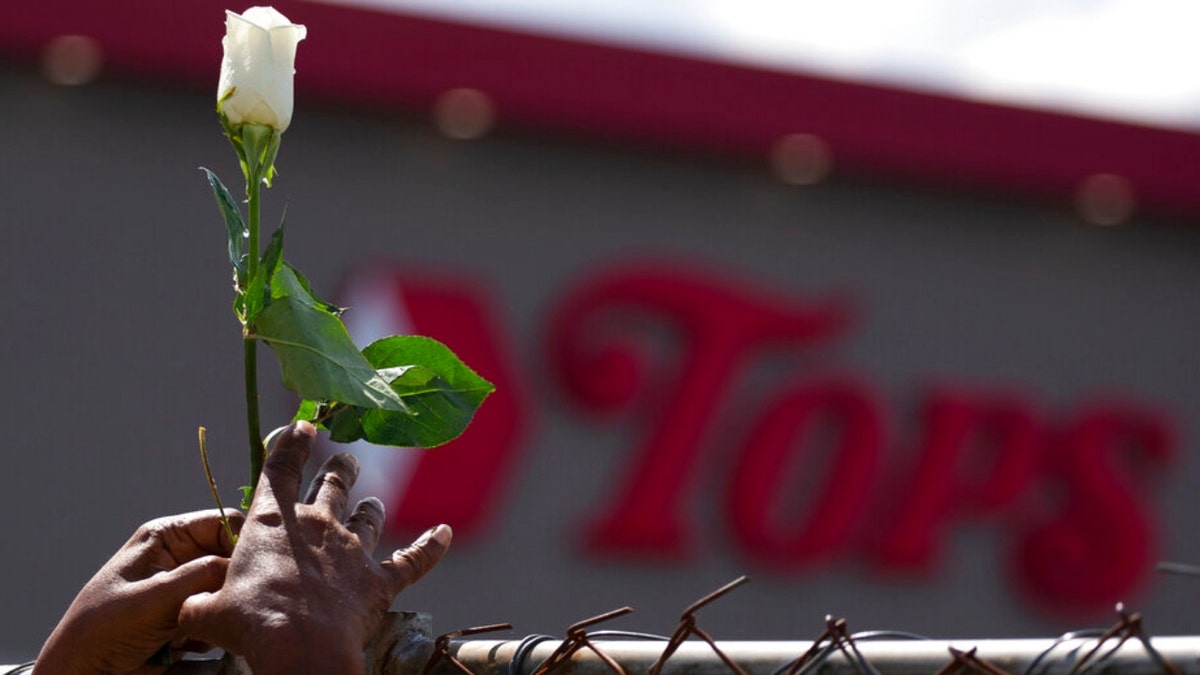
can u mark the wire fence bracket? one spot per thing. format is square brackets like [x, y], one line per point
[968, 662]
[577, 639]
[687, 626]
[442, 651]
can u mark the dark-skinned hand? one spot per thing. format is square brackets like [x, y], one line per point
[130, 608]
[303, 593]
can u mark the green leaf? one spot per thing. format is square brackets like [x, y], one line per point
[317, 358]
[234, 224]
[272, 258]
[307, 289]
[345, 424]
[401, 351]
[442, 392]
[341, 420]
[308, 411]
[258, 291]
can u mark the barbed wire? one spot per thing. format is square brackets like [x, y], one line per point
[1082, 652]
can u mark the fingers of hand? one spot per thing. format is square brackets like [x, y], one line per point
[284, 466]
[207, 530]
[183, 538]
[410, 564]
[331, 486]
[236, 520]
[367, 522]
[202, 575]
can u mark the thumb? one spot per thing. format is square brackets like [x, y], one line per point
[197, 584]
[410, 564]
[195, 617]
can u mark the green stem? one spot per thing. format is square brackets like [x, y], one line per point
[250, 345]
[212, 486]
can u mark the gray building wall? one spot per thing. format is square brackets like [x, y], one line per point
[119, 342]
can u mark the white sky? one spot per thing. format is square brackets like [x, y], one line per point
[1134, 59]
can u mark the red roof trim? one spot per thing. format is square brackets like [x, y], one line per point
[605, 92]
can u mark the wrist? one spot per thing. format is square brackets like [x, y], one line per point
[52, 666]
[61, 659]
[303, 654]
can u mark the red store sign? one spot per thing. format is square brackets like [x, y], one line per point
[1067, 490]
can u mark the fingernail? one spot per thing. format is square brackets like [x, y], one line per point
[441, 534]
[269, 441]
[349, 460]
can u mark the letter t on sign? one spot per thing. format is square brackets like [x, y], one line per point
[721, 324]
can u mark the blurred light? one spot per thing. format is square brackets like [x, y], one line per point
[71, 60]
[801, 159]
[464, 114]
[1105, 199]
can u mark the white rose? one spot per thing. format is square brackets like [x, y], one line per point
[260, 60]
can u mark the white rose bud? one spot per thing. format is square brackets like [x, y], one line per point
[259, 63]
